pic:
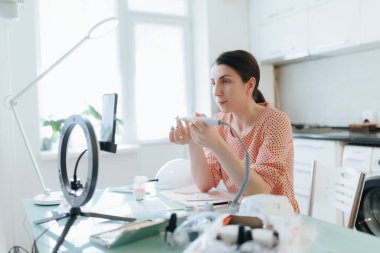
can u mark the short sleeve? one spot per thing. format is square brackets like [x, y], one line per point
[271, 162]
[214, 166]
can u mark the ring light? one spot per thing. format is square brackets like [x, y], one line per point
[93, 150]
[76, 201]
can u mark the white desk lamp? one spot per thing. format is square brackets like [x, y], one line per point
[98, 30]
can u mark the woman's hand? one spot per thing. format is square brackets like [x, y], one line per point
[181, 134]
[204, 135]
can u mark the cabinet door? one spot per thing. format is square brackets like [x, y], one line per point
[370, 20]
[334, 25]
[285, 38]
[313, 3]
[271, 10]
[295, 36]
[328, 152]
[272, 45]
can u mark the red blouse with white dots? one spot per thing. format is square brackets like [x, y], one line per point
[270, 146]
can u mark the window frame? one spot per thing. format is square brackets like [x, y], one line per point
[128, 20]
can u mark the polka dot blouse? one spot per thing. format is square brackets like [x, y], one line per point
[270, 146]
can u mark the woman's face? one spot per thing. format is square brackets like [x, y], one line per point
[230, 92]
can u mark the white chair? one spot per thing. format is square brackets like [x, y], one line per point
[312, 187]
[348, 191]
[335, 194]
[174, 174]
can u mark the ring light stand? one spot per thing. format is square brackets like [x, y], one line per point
[76, 201]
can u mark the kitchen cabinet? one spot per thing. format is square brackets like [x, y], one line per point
[313, 3]
[328, 155]
[271, 44]
[286, 39]
[293, 29]
[334, 25]
[271, 10]
[370, 19]
[357, 157]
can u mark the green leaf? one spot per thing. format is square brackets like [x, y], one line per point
[91, 111]
[54, 124]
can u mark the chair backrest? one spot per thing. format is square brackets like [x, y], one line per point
[335, 194]
[348, 189]
[312, 188]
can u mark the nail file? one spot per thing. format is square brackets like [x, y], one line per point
[207, 121]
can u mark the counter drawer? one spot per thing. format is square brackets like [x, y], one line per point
[327, 151]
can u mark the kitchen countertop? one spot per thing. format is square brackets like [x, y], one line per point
[339, 134]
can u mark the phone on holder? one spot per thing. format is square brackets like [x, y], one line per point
[108, 125]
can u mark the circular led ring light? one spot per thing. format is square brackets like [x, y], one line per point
[92, 151]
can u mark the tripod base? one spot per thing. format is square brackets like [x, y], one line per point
[73, 214]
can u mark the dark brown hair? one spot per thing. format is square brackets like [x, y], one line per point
[246, 66]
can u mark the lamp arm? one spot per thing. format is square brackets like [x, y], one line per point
[13, 101]
[48, 198]
[246, 167]
[35, 165]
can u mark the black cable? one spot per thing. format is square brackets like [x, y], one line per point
[26, 230]
[17, 248]
[76, 165]
[34, 246]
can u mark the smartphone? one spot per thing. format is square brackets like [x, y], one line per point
[108, 126]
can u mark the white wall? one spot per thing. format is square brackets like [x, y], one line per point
[228, 28]
[201, 58]
[5, 137]
[332, 91]
[218, 26]
[267, 82]
[19, 68]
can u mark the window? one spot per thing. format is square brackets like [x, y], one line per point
[159, 35]
[166, 7]
[147, 64]
[89, 72]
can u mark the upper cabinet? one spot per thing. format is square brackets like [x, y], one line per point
[370, 20]
[271, 10]
[334, 25]
[313, 3]
[293, 29]
[284, 40]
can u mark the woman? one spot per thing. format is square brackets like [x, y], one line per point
[215, 152]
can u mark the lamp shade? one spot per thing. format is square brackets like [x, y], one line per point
[8, 9]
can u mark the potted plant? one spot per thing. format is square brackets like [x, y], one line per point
[55, 127]
[91, 111]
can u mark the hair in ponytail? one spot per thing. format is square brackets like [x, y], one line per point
[245, 64]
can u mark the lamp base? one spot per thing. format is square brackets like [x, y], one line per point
[48, 199]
